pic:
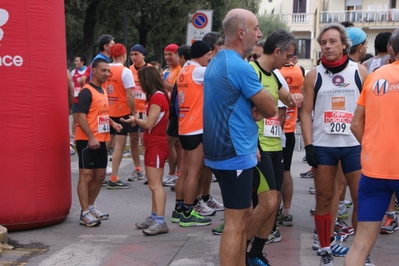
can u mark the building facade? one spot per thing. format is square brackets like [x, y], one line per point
[306, 17]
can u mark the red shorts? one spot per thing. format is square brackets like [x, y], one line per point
[155, 156]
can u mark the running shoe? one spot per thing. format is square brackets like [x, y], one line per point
[342, 211]
[202, 209]
[127, 154]
[342, 227]
[176, 216]
[316, 242]
[104, 183]
[337, 249]
[117, 185]
[169, 181]
[274, 237]
[71, 151]
[136, 175]
[369, 262]
[285, 220]
[312, 190]
[308, 174]
[218, 230]
[156, 228]
[89, 220]
[390, 225]
[312, 211]
[144, 225]
[348, 203]
[257, 261]
[108, 171]
[326, 258]
[213, 204]
[98, 214]
[304, 159]
[194, 219]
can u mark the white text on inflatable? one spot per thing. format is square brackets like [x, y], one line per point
[8, 60]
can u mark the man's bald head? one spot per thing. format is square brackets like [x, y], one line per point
[234, 20]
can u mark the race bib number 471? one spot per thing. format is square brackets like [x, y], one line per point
[272, 127]
[103, 124]
[337, 122]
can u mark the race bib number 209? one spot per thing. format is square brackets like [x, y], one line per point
[337, 122]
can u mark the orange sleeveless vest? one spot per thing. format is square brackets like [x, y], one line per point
[97, 117]
[116, 92]
[191, 101]
[294, 77]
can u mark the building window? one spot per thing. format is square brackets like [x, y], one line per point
[299, 6]
[303, 49]
[393, 3]
[270, 1]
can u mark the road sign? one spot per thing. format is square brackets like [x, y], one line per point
[200, 24]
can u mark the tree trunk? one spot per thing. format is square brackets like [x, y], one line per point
[88, 29]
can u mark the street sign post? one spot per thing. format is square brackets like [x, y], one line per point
[199, 25]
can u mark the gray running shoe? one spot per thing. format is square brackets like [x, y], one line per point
[326, 258]
[89, 220]
[176, 216]
[117, 185]
[156, 228]
[135, 176]
[390, 225]
[285, 220]
[98, 214]
[144, 225]
[194, 219]
[274, 237]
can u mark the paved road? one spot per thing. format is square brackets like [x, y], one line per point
[118, 242]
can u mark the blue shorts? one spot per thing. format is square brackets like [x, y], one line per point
[236, 187]
[349, 157]
[374, 197]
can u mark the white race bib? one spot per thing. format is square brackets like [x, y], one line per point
[103, 124]
[337, 122]
[138, 93]
[272, 127]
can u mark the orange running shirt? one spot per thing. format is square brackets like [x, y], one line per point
[294, 77]
[191, 101]
[97, 117]
[139, 95]
[380, 145]
[171, 78]
[116, 91]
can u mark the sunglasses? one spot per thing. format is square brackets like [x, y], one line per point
[255, 56]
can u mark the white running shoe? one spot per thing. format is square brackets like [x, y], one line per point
[109, 170]
[169, 180]
[213, 204]
[202, 209]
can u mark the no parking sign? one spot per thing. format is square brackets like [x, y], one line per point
[200, 24]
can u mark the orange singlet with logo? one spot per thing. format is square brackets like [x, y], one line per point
[138, 93]
[294, 77]
[380, 148]
[97, 117]
[191, 101]
[116, 92]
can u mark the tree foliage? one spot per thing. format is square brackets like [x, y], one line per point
[152, 23]
[269, 23]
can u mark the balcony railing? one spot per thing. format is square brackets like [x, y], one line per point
[360, 16]
[297, 18]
